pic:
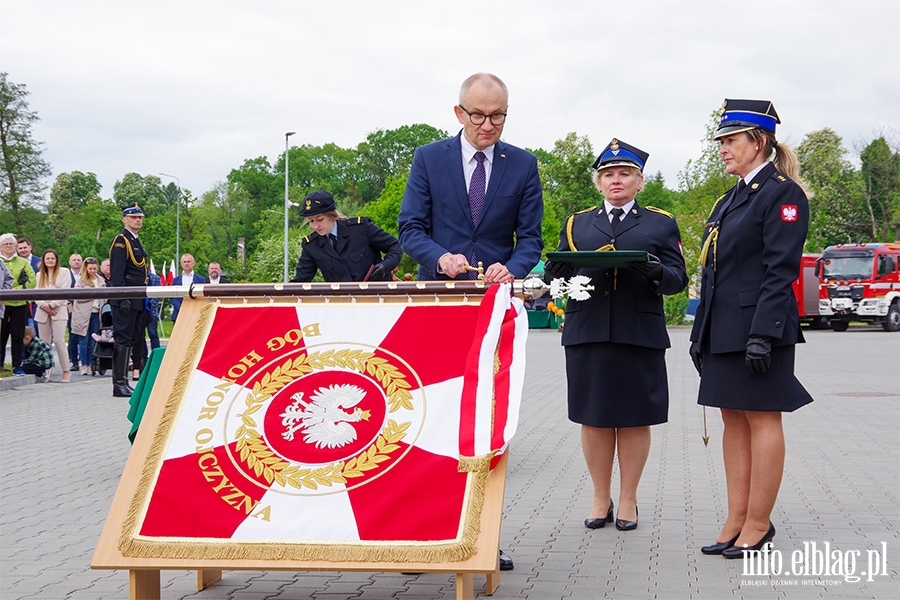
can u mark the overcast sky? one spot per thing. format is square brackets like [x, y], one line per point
[193, 88]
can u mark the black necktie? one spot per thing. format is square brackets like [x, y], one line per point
[617, 217]
[332, 239]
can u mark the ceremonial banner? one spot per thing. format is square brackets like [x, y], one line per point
[332, 431]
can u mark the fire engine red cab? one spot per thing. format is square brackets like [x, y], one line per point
[860, 282]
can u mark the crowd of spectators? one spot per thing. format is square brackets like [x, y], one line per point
[29, 331]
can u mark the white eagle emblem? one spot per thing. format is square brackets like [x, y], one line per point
[325, 418]
[789, 213]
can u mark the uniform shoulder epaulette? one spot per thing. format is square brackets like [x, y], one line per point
[310, 237]
[660, 211]
[357, 220]
[586, 210]
[779, 177]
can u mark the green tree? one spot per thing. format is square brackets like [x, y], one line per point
[880, 173]
[655, 193]
[702, 182]
[834, 209]
[388, 152]
[146, 192]
[566, 183]
[24, 169]
[69, 195]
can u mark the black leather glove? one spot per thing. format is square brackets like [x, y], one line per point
[652, 269]
[378, 274]
[759, 354]
[557, 270]
[124, 308]
[22, 279]
[697, 357]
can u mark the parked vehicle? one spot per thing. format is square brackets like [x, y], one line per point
[806, 289]
[860, 282]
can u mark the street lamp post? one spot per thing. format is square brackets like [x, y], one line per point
[177, 217]
[287, 202]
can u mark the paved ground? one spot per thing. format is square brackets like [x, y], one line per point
[63, 449]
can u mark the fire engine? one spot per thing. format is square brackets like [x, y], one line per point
[860, 282]
[806, 290]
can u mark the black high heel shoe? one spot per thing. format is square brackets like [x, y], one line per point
[623, 525]
[601, 522]
[735, 552]
[719, 548]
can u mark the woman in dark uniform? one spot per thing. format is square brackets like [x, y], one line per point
[747, 322]
[344, 249]
[616, 341]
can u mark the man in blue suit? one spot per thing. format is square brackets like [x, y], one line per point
[473, 198]
[187, 277]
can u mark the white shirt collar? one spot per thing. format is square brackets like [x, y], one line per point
[627, 208]
[754, 172]
[468, 150]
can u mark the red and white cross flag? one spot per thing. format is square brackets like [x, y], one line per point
[318, 430]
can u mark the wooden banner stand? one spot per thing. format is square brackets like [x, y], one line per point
[144, 579]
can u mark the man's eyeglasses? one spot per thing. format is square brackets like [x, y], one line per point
[478, 118]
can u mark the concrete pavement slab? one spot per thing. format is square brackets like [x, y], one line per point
[65, 446]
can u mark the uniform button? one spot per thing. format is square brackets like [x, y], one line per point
[777, 323]
[612, 240]
[474, 238]
[606, 293]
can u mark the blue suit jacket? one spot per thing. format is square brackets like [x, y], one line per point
[435, 217]
[176, 302]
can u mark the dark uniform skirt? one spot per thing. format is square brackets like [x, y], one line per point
[617, 385]
[725, 383]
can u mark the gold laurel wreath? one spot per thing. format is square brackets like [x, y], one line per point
[259, 457]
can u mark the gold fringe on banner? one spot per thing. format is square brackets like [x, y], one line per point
[157, 448]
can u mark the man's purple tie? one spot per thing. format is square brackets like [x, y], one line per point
[476, 200]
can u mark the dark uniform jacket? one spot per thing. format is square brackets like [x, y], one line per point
[359, 245]
[751, 262]
[624, 307]
[128, 267]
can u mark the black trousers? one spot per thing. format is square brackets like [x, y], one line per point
[13, 326]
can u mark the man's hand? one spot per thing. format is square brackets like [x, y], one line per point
[124, 308]
[452, 264]
[759, 354]
[497, 273]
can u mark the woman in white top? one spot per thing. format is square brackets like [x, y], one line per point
[52, 315]
[86, 314]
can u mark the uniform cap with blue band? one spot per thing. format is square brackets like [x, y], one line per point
[132, 211]
[620, 154]
[744, 115]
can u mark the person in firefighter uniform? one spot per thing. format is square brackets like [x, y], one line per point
[128, 267]
[344, 249]
[746, 326]
[616, 341]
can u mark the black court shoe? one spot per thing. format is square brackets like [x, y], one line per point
[506, 563]
[718, 548]
[735, 552]
[623, 525]
[602, 521]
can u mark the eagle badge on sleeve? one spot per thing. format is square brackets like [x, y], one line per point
[789, 213]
